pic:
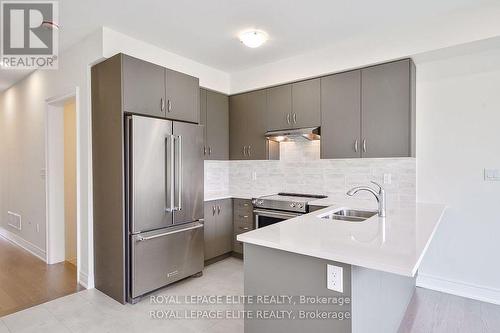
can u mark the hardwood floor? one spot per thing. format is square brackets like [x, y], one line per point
[26, 281]
[435, 312]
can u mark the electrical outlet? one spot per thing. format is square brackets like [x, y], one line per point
[254, 175]
[387, 178]
[335, 278]
[492, 174]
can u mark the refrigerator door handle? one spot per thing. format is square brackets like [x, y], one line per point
[142, 238]
[169, 174]
[178, 159]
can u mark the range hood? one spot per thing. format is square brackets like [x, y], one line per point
[297, 134]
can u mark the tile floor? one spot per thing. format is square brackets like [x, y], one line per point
[92, 311]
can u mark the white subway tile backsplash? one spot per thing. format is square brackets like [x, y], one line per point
[301, 170]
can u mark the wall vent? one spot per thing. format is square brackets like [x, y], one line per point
[14, 220]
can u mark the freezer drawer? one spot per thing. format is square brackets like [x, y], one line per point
[164, 256]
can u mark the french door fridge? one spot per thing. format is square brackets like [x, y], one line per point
[164, 169]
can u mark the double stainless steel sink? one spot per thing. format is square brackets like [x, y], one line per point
[349, 215]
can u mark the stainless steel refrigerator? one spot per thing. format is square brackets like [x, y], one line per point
[164, 195]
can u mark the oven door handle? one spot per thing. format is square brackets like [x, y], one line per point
[279, 215]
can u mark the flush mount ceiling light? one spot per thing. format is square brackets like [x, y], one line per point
[253, 38]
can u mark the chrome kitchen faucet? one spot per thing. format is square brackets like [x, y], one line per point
[380, 196]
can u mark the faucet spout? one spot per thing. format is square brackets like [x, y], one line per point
[379, 195]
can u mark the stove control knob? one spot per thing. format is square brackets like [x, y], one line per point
[260, 202]
[254, 201]
[300, 205]
[292, 205]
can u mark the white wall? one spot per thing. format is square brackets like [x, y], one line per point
[458, 135]
[462, 26]
[115, 42]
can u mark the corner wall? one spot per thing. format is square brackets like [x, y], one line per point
[458, 117]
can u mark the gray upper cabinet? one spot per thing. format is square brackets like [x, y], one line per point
[143, 87]
[279, 107]
[341, 115]
[387, 108]
[217, 126]
[237, 127]
[306, 111]
[203, 117]
[183, 96]
[247, 126]
[256, 109]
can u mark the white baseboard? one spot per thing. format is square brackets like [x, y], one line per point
[85, 280]
[459, 288]
[28, 246]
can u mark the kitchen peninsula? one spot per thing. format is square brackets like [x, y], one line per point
[379, 259]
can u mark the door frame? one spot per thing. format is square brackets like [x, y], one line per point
[56, 104]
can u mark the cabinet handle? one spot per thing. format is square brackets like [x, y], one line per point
[356, 145]
[364, 145]
[162, 104]
[218, 210]
[204, 150]
[249, 150]
[169, 106]
[244, 150]
[244, 228]
[244, 216]
[294, 118]
[288, 118]
[213, 210]
[209, 150]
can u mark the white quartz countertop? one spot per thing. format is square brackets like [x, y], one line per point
[394, 244]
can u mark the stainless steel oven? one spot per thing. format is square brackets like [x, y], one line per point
[271, 209]
[264, 217]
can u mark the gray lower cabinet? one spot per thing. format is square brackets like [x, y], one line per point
[247, 126]
[218, 227]
[242, 221]
[143, 87]
[341, 115]
[387, 109]
[182, 96]
[214, 114]
[306, 100]
[369, 112]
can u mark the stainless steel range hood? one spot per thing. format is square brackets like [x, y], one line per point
[297, 134]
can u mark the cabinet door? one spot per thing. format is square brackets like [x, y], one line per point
[237, 127]
[209, 229]
[224, 226]
[306, 110]
[183, 97]
[341, 115]
[203, 119]
[255, 119]
[143, 87]
[386, 110]
[279, 107]
[217, 126]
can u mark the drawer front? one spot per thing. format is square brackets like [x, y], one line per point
[243, 205]
[244, 219]
[165, 256]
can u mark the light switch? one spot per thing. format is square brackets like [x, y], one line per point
[492, 174]
[335, 278]
[387, 178]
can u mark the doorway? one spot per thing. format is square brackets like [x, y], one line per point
[63, 239]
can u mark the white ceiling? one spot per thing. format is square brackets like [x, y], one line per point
[206, 31]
